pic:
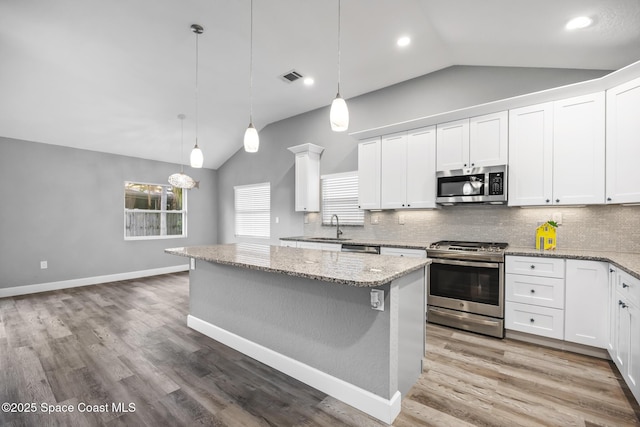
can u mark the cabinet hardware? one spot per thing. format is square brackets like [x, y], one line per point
[533, 291]
[532, 320]
[608, 199]
[533, 266]
[624, 285]
[557, 200]
[611, 270]
[621, 304]
[473, 164]
[547, 200]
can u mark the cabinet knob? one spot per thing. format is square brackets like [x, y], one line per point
[608, 199]
[621, 304]
[408, 205]
[533, 266]
[611, 270]
[533, 291]
[532, 320]
[403, 205]
[473, 164]
[557, 200]
[547, 200]
[624, 285]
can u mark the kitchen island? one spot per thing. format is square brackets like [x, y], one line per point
[309, 314]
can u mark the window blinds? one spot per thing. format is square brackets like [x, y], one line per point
[253, 210]
[340, 197]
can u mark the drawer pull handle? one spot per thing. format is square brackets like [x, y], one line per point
[532, 320]
[533, 291]
[624, 285]
[533, 266]
[621, 304]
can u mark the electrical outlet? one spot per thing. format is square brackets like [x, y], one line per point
[277, 220]
[306, 219]
[375, 219]
[43, 265]
[401, 219]
[377, 299]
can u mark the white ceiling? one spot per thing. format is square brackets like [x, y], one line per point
[112, 76]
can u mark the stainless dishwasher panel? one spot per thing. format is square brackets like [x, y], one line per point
[364, 249]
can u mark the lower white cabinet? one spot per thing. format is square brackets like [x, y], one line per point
[586, 313]
[625, 318]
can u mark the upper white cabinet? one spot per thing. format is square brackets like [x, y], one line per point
[475, 142]
[307, 172]
[623, 149]
[556, 152]
[369, 173]
[586, 293]
[408, 169]
[578, 150]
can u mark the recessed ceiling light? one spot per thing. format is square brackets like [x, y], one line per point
[578, 23]
[308, 81]
[404, 41]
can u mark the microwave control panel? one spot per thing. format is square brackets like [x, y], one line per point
[496, 183]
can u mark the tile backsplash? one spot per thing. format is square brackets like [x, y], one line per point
[608, 228]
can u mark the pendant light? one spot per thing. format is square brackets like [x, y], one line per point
[339, 114]
[181, 180]
[251, 138]
[196, 158]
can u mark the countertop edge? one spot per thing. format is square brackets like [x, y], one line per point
[350, 282]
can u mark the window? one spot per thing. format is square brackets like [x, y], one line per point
[340, 197]
[253, 210]
[154, 211]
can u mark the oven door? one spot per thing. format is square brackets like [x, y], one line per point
[469, 286]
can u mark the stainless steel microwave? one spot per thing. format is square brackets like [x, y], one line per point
[474, 185]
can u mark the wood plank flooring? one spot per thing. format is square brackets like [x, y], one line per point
[127, 343]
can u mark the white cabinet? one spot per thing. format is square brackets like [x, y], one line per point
[408, 169]
[625, 315]
[530, 155]
[578, 150]
[623, 150]
[476, 142]
[369, 173]
[586, 314]
[307, 177]
[556, 152]
[534, 295]
[403, 252]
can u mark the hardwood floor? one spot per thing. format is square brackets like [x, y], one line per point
[127, 343]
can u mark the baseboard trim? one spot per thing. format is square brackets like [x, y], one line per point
[86, 281]
[385, 410]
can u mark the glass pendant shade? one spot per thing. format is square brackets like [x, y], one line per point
[180, 180]
[339, 115]
[196, 158]
[251, 139]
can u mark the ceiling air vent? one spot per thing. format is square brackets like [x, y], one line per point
[291, 76]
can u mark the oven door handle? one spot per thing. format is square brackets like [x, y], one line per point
[465, 263]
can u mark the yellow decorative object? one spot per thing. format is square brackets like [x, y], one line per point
[546, 237]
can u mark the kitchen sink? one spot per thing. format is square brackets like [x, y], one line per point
[330, 239]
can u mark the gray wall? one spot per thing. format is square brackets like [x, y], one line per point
[449, 89]
[65, 206]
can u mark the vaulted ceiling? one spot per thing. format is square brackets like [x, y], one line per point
[113, 76]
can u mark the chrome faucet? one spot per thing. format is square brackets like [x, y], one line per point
[338, 231]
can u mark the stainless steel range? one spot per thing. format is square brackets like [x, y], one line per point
[466, 286]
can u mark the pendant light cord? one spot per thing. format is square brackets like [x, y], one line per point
[339, 8]
[197, 115]
[251, 67]
[181, 117]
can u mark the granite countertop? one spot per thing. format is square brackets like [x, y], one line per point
[354, 269]
[627, 261]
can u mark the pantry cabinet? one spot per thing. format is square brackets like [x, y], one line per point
[408, 169]
[623, 150]
[476, 142]
[369, 177]
[556, 152]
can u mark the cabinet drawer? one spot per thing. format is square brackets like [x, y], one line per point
[541, 291]
[533, 319]
[628, 286]
[535, 266]
[412, 253]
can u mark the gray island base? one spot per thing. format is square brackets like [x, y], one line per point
[308, 313]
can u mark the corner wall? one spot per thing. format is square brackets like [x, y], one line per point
[65, 206]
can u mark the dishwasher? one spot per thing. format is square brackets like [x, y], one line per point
[363, 249]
